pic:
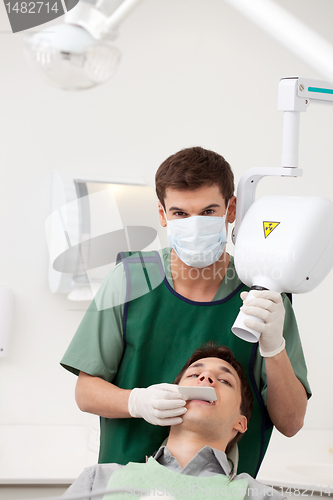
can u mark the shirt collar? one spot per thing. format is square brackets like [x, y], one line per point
[219, 455]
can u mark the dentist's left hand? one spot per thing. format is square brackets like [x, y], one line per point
[159, 404]
[268, 306]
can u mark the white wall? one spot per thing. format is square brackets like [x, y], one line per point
[194, 72]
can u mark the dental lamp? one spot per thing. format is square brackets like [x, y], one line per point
[79, 54]
[283, 243]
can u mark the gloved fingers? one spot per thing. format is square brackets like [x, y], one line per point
[174, 412]
[243, 295]
[168, 391]
[268, 295]
[169, 397]
[167, 387]
[169, 421]
[167, 404]
[258, 312]
[260, 302]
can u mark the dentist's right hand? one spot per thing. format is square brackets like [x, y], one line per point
[159, 404]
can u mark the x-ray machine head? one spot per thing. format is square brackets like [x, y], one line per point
[283, 243]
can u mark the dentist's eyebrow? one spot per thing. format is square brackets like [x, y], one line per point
[178, 209]
[213, 205]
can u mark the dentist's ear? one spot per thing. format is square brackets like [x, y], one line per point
[231, 215]
[162, 215]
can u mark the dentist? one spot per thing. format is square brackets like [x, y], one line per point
[164, 304]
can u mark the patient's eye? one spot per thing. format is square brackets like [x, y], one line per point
[192, 375]
[224, 381]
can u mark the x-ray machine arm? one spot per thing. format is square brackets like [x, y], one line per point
[295, 94]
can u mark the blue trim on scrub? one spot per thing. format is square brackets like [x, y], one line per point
[127, 296]
[157, 260]
[145, 271]
[266, 422]
[193, 302]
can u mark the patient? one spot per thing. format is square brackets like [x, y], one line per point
[193, 464]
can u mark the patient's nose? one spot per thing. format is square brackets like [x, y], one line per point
[205, 377]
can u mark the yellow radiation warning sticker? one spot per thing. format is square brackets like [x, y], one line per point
[269, 227]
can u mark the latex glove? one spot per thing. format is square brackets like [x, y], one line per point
[268, 306]
[159, 404]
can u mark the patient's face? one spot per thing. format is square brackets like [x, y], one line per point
[217, 373]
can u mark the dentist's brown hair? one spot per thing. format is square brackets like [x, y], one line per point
[192, 168]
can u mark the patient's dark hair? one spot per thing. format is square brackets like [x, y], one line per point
[211, 350]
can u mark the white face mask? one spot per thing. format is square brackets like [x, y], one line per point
[200, 240]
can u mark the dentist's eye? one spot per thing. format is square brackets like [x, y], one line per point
[179, 214]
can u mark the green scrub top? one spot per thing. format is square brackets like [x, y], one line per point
[97, 346]
[157, 344]
[161, 329]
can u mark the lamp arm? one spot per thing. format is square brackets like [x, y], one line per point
[99, 26]
[290, 32]
[121, 13]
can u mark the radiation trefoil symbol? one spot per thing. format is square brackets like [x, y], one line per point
[269, 227]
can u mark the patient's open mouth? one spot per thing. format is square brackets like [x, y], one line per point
[202, 401]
